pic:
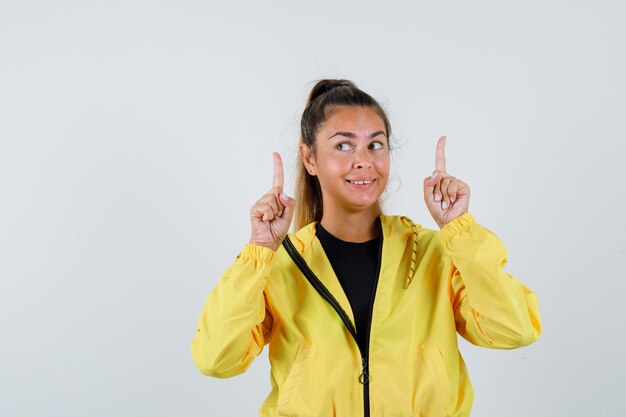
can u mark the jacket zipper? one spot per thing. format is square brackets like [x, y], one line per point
[326, 295]
[366, 391]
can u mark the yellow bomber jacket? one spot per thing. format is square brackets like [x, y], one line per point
[431, 285]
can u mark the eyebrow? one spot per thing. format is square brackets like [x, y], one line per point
[352, 135]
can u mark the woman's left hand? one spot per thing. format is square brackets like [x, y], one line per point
[446, 197]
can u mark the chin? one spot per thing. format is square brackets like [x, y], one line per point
[363, 205]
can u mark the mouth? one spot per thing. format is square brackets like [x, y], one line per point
[362, 183]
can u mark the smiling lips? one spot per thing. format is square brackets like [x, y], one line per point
[361, 181]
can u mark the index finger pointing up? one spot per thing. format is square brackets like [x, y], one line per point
[440, 157]
[278, 171]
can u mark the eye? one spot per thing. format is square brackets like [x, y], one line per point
[343, 146]
[376, 145]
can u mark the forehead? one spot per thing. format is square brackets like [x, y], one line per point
[354, 119]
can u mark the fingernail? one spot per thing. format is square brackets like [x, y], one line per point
[433, 176]
[437, 197]
[286, 197]
[444, 205]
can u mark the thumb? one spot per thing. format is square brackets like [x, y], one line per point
[290, 205]
[429, 183]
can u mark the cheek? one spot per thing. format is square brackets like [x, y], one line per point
[382, 165]
[336, 166]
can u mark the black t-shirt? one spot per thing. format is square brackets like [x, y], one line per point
[355, 265]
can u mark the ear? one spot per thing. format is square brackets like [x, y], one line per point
[306, 153]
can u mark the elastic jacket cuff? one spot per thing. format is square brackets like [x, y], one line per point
[456, 226]
[257, 252]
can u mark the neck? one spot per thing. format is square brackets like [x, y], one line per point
[354, 226]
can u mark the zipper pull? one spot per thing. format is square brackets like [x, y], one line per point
[364, 378]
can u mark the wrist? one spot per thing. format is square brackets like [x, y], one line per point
[456, 226]
[274, 247]
[252, 251]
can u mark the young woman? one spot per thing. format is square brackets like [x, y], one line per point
[361, 309]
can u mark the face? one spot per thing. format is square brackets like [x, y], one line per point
[352, 158]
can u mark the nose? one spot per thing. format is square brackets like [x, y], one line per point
[362, 159]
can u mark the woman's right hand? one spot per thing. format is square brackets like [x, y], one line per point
[271, 215]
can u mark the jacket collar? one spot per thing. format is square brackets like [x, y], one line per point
[304, 238]
[310, 248]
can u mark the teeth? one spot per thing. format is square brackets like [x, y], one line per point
[360, 182]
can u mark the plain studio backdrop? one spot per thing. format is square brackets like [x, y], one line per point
[135, 136]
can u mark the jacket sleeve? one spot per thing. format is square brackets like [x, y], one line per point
[235, 322]
[491, 308]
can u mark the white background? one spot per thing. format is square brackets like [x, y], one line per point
[136, 135]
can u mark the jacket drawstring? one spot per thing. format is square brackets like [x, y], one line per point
[413, 267]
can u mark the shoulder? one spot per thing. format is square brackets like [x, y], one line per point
[402, 227]
[401, 232]
[301, 239]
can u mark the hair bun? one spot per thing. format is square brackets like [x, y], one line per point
[324, 86]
